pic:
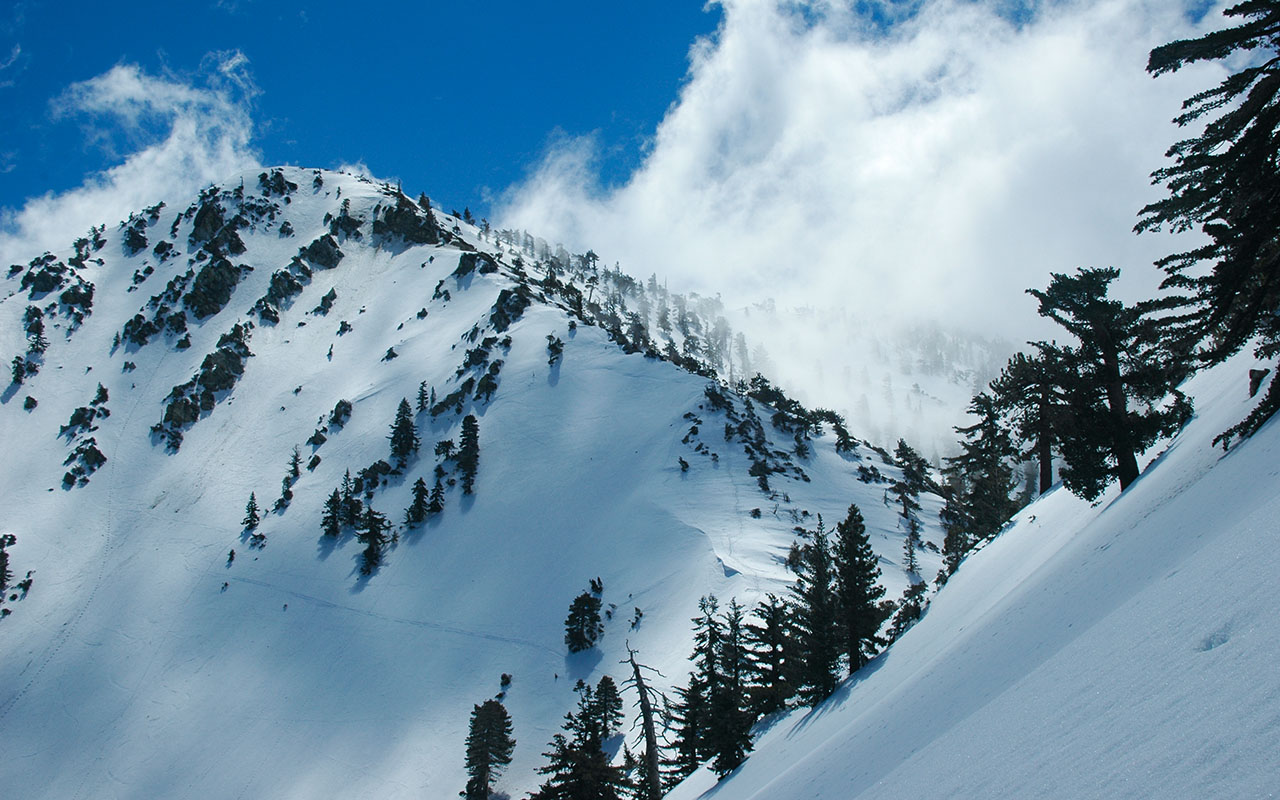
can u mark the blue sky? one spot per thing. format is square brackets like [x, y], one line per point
[458, 99]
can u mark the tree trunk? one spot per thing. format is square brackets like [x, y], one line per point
[1121, 442]
[654, 789]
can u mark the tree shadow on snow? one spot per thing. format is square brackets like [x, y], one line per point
[842, 692]
[579, 666]
[413, 535]
[325, 546]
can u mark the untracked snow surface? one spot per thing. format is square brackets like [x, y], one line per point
[144, 663]
[1126, 650]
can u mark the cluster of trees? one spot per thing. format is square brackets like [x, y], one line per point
[641, 316]
[1096, 403]
[23, 586]
[1100, 400]
[28, 364]
[345, 510]
[786, 651]
[578, 766]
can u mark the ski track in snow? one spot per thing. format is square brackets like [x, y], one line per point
[416, 623]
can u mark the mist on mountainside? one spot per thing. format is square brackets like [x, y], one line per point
[879, 175]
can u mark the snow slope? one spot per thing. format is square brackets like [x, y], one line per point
[1122, 650]
[143, 663]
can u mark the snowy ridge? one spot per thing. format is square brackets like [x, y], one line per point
[1120, 650]
[144, 663]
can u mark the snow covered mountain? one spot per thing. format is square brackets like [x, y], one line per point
[170, 366]
[1120, 650]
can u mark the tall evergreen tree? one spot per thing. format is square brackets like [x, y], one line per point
[858, 590]
[331, 520]
[352, 507]
[424, 400]
[373, 533]
[468, 458]
[606, 706]
[1115, 380]
[416, 513]
[489, 748]
[691, 712]
[816, 621]
[1027, 393]
[956, 524]
[979, 501]
[728, 734]
[769, 646]
[404, 434]
[1223, 181]
[583, 626]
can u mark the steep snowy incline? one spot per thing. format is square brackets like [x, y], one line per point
[1123, 650]
[146, 663]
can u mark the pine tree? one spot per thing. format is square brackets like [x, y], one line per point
[728, 734]
[373, 533]
[691, 713]
[578, 768]
[982, 475]
[251, 517]
[858, 590]
[416, 513]
[1115, 380]
[583, 626]
[607, 706]
[489, 748]
[468, 459]
[1223, 181]
[295, 465]
[769, 645]
[437, 498]
[816, 620]
[915, 469]
[331, 520]
[423, 399]
[404, 435]
[1029, 396]
[352, 508]
[915, 478]
[36, 341]
[955, 520]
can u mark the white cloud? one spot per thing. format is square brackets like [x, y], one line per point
[933, 172]
[178, 137]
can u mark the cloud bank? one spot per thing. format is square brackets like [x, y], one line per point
[169, 137]
[931, 168]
